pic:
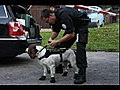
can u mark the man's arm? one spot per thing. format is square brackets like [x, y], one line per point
[53, 36]
[67, 37]
[63, 39]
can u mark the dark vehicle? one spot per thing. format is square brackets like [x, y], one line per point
[18, 30]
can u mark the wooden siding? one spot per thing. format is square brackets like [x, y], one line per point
[36, 13]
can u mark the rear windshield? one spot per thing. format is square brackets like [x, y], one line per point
[3, 13]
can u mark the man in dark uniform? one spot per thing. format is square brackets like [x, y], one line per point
[75, 24]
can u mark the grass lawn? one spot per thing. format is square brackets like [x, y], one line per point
[105, 38]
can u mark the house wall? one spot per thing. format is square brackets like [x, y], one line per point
[36, 13]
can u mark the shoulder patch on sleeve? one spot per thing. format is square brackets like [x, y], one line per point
[64, 26]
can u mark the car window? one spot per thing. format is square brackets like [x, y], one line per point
[91, 11]
[3, 13]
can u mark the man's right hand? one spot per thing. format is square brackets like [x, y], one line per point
[53, 43]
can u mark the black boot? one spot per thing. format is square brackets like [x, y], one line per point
[81, 78]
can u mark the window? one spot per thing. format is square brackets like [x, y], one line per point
[3, 13]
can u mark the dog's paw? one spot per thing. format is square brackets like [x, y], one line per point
[42, 78]
[52, 80]
[65, 74]
[75, 76]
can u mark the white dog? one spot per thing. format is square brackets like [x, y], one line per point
[53, 61]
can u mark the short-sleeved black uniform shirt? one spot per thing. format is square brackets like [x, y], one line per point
[69, 19]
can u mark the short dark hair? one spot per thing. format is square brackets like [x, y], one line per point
[46, 13]
[55, 6]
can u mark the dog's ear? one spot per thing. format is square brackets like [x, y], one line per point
[34, 46]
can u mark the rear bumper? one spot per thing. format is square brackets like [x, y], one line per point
[10, 47]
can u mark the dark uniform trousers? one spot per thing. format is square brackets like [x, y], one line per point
[82, 40]
[81, 59]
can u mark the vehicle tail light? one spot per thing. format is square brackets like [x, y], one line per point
[16, 29]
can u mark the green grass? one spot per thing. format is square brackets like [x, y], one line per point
[105, 38]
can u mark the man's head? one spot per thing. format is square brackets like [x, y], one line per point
[48, 16]
[53, 7]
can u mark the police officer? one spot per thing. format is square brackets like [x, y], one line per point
[75, 24]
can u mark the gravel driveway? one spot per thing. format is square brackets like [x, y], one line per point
[103, 69]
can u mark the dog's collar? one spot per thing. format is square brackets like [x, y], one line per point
[40, 51]
[44, 56]
[37, 54]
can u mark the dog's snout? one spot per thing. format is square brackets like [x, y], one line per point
[32, 56]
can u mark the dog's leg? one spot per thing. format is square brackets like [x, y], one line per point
[65, 69]
[76, 69]
[52, 73]
[44, 72]
[72, 59]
